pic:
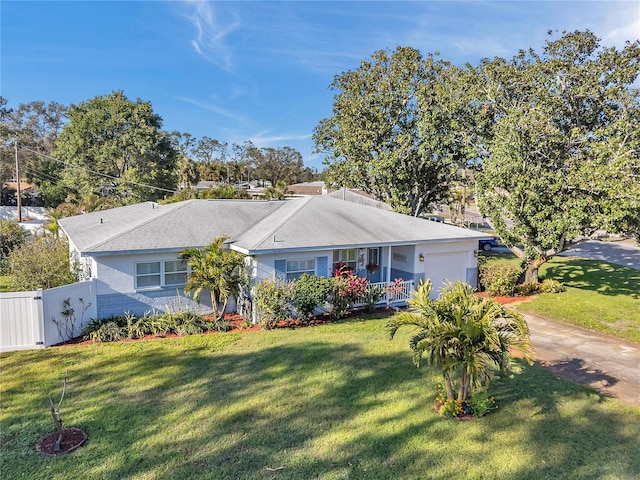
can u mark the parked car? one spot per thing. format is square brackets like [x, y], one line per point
[488, 244]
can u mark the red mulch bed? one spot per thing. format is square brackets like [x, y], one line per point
[72, 439]
[505, 300]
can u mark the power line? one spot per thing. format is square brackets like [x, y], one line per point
[40, 174]
[117, 179]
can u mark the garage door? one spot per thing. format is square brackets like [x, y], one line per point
[445, 267]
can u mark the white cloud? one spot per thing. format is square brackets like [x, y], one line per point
[216, 109]
[622, 24]
[211, 34]
[261, 138]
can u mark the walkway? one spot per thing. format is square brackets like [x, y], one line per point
[608, 364]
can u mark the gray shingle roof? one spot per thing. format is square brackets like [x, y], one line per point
[253, 226]
[152, 227]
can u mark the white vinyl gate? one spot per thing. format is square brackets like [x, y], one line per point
[21, 321]
[34, 319]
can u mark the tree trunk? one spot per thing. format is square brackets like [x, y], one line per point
[463, 391]
[447, 386]
[531, 274]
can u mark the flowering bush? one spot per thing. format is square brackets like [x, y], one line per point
[478, 404]
[396, 288]
[347, 290]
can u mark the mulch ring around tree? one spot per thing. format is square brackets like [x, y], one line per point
[73, 439]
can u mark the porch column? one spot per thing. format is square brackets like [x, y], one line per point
[388, 272]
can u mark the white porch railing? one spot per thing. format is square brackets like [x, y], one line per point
[390, 293]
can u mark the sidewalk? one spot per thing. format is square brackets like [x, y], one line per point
[608, 364]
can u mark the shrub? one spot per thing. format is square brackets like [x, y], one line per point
[220, 325]
[549, 285]
[273, 301]
[41, 263]
[499, 279]
[528, 288]
[372, 296]
[108, 330]
[480, 403]
[12, 236]
[138, 327]
[189, 323]
[309, 292]
[347, 289]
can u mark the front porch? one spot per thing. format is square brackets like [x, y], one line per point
[395, 293]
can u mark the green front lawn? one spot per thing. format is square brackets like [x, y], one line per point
[600, 296]
[330, 402]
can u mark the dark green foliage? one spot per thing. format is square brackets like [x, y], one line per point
[561, 159]
[112, 144]
[499, 279]
[528, 288]
[158, 324]
[107, 331]
[310, 292]
[374, 138]
[12, 236]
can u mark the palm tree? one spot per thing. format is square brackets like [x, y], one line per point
[462, 335]
[214, 268]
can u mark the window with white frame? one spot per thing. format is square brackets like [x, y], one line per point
[175, 272]
[161, 273]
[346, 258]
[295, 268]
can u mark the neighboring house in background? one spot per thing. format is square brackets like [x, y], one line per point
[133, 251]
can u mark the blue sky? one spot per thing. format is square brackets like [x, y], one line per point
[260, 70]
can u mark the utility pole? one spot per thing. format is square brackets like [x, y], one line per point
[18, 189]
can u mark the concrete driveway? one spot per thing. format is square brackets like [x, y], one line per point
[608, 364]
[625, 253]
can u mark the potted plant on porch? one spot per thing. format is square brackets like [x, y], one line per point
[372, 268]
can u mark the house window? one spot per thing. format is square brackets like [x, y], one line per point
[175, 272]
[148, 274]
[346, 258]
[295, 268]
[161, 274]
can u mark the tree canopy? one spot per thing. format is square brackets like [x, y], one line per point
[115, 146]
[35, 126]
[388, 133]
[562, 159]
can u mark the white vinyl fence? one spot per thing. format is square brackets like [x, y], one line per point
[42, 318]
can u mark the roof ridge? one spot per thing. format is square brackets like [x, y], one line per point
[176, 206]
[289, 216]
